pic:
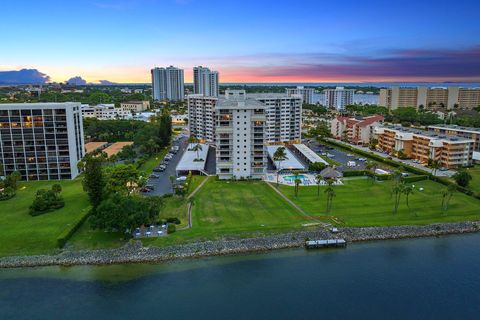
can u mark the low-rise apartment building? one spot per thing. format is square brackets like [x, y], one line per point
[43, 141]
[459, 131]
[449, 151]
[355, 130]
[135, 106]
[105, 112]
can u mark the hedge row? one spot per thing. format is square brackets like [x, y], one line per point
[354, 173]
[415, 178]
[68, 233]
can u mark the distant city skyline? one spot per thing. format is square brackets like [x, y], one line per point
[252, 41]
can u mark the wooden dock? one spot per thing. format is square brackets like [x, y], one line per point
[315, 244]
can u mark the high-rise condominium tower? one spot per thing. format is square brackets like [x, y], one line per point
[43, 141]
[167, 84]
[338, 98]
[205, 82]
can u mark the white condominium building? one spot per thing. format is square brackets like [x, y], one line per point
[283, 123]
[306, 93]
[284, 117]
[167, 84]
[43, 141]
[201, 117]
[430, 98]
[205, 81]
[105, 112]
[338, 98]
[240, 136]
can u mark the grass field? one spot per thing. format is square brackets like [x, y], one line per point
[22, 234]
[475, 182]
[360, 203]
[237, 209]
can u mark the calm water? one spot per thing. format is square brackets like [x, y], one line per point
[405, 279]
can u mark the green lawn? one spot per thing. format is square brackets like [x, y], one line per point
[223, 208]
[360, 203]
[22, 234]
[195, 182]
[475, 182]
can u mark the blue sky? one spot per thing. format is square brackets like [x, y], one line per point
[245, 40]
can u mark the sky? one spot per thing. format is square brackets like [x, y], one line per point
[246, 41]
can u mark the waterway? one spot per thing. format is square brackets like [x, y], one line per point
[431, 278]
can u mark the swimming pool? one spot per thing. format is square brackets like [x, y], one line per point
[292, 177]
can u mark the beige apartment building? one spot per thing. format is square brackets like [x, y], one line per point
[135, 106]
[449, 151]
[430, 98]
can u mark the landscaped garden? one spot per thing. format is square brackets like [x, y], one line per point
[361, 202]
[23, 234]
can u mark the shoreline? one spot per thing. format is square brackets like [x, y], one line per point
[134, 252]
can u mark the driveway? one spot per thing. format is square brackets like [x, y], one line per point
[163, 185]
[338, 155]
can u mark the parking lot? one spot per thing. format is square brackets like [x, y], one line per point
[347, 161]
[162, 184]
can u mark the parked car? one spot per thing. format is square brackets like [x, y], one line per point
[443, 169]
[154, 176]
[158, 169]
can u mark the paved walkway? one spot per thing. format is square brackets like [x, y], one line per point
[189, 206]
[325, 225]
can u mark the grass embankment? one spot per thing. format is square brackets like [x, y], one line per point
[22, 234]
[153, 161]
[361, 203]
[475, 182]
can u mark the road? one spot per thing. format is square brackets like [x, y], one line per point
[163, 185]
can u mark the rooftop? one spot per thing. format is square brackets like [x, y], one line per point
[291, 162]
[309, 154]
[455, 127]
[188, 163]
[429, 134]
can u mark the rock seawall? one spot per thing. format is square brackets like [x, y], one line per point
[134, 252]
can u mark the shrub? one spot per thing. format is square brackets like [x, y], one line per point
[316, 166]
[171, 228]
[7, 193]
[174, 220]
[45, 201]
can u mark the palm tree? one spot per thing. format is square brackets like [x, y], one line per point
[197, 148]
[56, 188]
[407, 191]
[447, 194]
[434, 164]
[330, 192]
[297, 183]
[318, 180]
[279, 156]
[397, 191]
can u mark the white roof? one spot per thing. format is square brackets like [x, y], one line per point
[291, 162]
[187, 163]
[309, 153]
